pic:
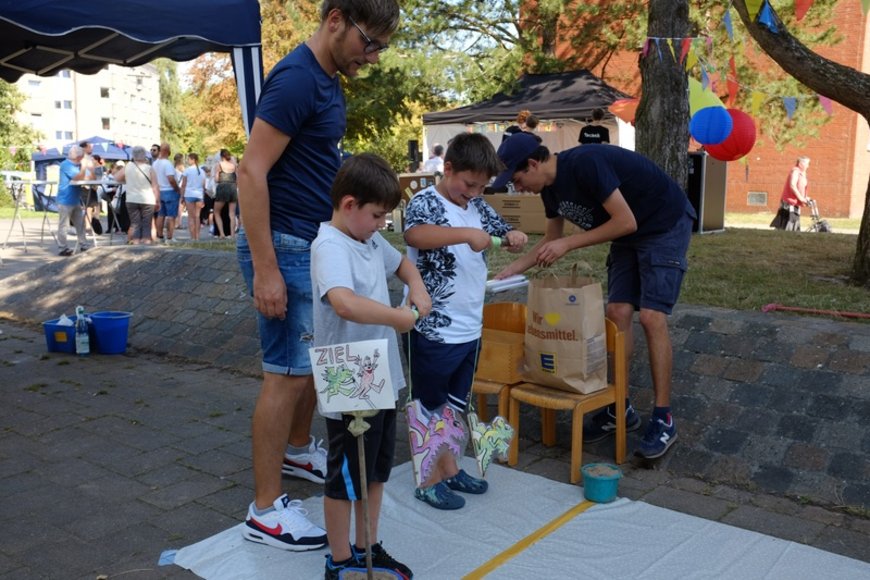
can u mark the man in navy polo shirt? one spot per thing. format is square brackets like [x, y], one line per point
[618, 196]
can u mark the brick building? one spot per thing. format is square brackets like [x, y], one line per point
[840, 156]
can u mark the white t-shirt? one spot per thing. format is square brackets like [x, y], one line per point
[194, 177]
[164, 168]
[455, 276]
[339, 261]
[434, 165]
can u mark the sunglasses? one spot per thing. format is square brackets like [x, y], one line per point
[371, 46]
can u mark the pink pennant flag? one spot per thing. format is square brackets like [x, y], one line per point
[801, 7]
[684, 49]
[645, 50]
[826, 104]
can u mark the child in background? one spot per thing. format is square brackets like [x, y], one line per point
[448, 227]
[350, 261]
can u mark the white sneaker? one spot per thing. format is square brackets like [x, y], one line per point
[310, 466]
[286, 527]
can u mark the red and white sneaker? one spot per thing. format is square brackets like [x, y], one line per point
[286, 527]
[310, 465]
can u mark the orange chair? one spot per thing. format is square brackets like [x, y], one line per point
[507, 317]
[551, 400]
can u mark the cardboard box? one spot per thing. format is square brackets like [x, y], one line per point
[501, 356]
[523, 203]
[528, 223]
[411, 183]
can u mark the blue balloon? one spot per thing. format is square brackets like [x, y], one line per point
[711, 126]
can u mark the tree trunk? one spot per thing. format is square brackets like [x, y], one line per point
[840, 83]
[663, 114]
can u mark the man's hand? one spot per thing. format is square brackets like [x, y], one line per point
[549, 252]
[270, 294]
[516, 240]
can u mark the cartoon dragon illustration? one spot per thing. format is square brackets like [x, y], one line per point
[339, 381]
[441, 433]
[490, 440]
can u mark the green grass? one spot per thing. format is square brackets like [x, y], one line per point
[743, 269]
[762, 220]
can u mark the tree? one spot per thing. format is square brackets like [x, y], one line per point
[18, 139]
[173, 121]
[663, 113]
[840, 83]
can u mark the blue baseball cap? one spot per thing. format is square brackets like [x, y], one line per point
[513, 152]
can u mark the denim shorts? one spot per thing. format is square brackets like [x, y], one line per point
[285, 343]
[168, 203]
[441, 372]
[648, 273]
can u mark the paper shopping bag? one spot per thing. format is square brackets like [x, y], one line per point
[565, 341]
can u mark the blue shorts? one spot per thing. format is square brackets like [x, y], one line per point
[285, 343]
[441, 372]
[648, 273]
[192, 199]
[168, 203]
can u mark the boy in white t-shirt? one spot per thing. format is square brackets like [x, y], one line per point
[350, 262]
[448, 227]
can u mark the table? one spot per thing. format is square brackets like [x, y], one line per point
[16, 190]
[45, 199]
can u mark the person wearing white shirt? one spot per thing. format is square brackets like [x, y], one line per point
[170, 192]
[435, 164]
[192, 185]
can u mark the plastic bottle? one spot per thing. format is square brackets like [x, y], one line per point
[83, 342]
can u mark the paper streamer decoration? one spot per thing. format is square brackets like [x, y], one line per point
[790, 104]
[625, 109]
[767, 19]
[826, 104]
[739, 142]
[701, 98]
[752, 6]
[729, 26]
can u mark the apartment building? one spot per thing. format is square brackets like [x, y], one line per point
[118, 103]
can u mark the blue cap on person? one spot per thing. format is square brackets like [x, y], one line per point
[513, 152]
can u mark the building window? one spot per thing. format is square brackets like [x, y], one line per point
[34, 83]
[67, 134]
[64, 74]
[757, 198]
[58, 134]
[57, 104]
[106, 124]
[104, 92]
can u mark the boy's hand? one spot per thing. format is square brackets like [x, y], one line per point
[479, 240]
[419, 299]
[409, 319]
[516, 240]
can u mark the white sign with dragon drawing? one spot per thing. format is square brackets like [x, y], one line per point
[352, 376]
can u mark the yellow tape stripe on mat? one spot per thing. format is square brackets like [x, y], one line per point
[523, 544]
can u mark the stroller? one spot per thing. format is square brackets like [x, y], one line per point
[819, 225]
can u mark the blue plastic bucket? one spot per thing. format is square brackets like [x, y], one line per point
[110, 330]
[600, 482]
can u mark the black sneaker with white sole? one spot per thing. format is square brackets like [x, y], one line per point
[603, 424]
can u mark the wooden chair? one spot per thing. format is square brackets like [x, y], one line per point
[551, 400]
[507, 317]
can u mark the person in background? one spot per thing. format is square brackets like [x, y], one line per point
[206, 213]
[448, 228]
[594, 132]
[794, 195]
[350, 262]
[142, 195]
[618, 196]
[226, 193]
[435, 163]
[178, 162]
[519, 126]
[69, 200]
[154, 153]
[285, 177]
[192, 185]
[170, 193]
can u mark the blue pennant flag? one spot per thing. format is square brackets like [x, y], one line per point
[790, 104]
[729, 26]
[766, 18]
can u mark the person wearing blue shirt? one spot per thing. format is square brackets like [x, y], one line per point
[618, 196]
[284, 179]
[69, 197]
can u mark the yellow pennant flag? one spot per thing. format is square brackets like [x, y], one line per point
[757, 99]
[753, 6]
[692, 58]
[701, 98]
[671, 46]
[865, 6]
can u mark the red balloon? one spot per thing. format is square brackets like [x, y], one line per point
[739, 142]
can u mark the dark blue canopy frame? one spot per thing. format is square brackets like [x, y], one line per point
[45, 36]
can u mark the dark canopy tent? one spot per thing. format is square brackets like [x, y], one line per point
[567, 95]
[44, 36]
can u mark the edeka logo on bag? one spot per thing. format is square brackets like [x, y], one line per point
[548, 362]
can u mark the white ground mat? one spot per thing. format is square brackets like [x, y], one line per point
[493, 533]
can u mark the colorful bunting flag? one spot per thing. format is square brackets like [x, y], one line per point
[801, 7]
[752, 6]
[757, 99]
[684, 49]
[865, 6]
[671, 47]
[826, 104]
[767, 19]
[729, 26]
[733, 86]
[790, 104]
